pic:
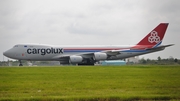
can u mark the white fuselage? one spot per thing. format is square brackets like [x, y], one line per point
[47, 52]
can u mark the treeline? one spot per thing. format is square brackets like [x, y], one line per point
[159, 61]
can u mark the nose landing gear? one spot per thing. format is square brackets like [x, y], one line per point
[20, 63]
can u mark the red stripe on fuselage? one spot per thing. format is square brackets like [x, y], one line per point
[94, 48]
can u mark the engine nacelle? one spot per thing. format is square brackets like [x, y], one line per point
[100, 56]
[75, 59]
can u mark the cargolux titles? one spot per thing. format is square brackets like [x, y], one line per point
[44, 51]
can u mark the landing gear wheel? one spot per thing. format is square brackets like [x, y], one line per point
[20, 64]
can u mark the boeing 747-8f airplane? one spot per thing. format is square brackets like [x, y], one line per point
[88, 55]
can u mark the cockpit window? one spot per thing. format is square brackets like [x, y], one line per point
[16, 46]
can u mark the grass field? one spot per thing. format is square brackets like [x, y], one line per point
[90, 83]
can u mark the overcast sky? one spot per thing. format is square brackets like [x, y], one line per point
[88, 22]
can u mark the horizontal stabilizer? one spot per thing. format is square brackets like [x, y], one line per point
[160, 47]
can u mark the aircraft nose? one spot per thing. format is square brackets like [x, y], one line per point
[7, 53]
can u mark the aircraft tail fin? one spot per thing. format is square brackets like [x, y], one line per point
[155, 37]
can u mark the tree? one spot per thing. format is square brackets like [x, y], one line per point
[176, 60]
[159, 58]
[143, 61]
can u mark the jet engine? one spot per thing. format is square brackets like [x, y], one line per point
[100, 56]
[75, 59]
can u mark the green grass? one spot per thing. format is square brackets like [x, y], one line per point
[90, 83]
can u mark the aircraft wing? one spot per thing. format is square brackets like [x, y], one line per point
[108, 52]
[89, 55]
[116, 52]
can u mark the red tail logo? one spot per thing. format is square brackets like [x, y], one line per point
[155, 37]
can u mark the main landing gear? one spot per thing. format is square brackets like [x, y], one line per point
[89, 62]
[20, 63]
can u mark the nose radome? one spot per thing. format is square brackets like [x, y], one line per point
[7, 53]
